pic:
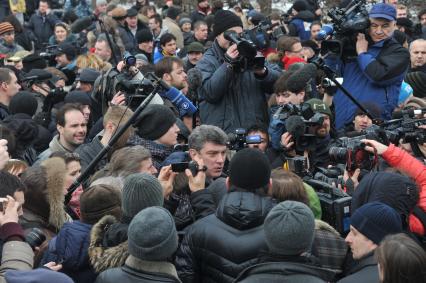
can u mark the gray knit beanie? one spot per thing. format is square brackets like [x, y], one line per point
[140, 191]
[152, 235]
[289, 228]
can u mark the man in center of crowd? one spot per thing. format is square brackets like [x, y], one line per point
[218, 247]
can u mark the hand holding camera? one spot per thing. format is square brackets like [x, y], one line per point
[166, 178]
[196, 175]
[373, 146]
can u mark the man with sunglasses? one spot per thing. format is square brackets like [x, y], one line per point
[7, 40]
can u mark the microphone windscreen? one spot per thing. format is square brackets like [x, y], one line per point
[81, 24]
[300, 78]
[295, 126]
[195, 78]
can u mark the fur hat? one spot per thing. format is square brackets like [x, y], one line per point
[289, 228]
[140, 191]
[119, 13]
[98, 201]
[45, 194]
[152, 235]
[224, 20]
[249, 169]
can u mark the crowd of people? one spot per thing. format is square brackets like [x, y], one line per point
[159, 142]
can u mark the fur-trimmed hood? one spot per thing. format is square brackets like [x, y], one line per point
[45, 191]
[101, 257]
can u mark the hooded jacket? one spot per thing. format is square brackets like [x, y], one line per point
[44, 199]
[70, 247]
[231, 99]
[102, 257]
[218, 247]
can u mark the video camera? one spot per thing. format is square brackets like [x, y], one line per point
[240, 140]
[298, 120]
[347, 23]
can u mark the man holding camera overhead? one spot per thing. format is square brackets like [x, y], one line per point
[376, 74]
[232, 96]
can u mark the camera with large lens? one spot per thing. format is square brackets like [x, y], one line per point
[247, 50]
[35, 238]
[240, 140]
[347, 23]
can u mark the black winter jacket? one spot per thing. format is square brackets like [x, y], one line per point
[218, 247]
[365, 270]
[290, 269]
[42, 27]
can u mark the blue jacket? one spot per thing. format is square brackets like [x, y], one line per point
[375, 76]
[300, 25]
[70, 247]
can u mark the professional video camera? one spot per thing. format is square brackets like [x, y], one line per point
[351, 150]
[347, 23]
[297, 120]
[248, 57]
[239, 139]
[136, 87]
[262, 34]
[406, 128]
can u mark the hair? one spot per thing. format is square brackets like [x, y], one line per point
[57, 73]
[91, 60]
[67, 107]
[116, 114]
[5, 75]
[145, 9]
[280, 84]
[166, 38]
[258, 127]
[127, 160]
[275, 16]
[318, 23]
[64, 26]
[9, 184]
[401, 259]
[68, 157]
[15, 23]
[102, 38]
[165, 65]
[285, 43]
[421, 13]
[206, 133]
[401, 7]
[47, 2]
[419, 40]
[15, 165]
[286, 185]
[158, 19]
[198, 24]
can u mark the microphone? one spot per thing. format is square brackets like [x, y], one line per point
[82, 24]
[183, 104]
[41, 77]
[295, 126]
[298, 80]
[409, 112]
[325, 31]
[195, 79]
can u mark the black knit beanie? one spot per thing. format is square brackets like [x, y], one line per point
[249, 169]
[299, 5]
[154, 122]
[224, 20]
[23, 102]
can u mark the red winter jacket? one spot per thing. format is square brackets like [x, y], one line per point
[413, 168]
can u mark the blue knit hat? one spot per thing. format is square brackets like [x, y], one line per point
[376, 220]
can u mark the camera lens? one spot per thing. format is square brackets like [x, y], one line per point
[35, 237]
[338, 154]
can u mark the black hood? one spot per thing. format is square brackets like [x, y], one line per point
[306, 16]
[244, 210]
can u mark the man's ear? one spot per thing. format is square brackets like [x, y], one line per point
[192, 153]
[167, 77]
[60, 129]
